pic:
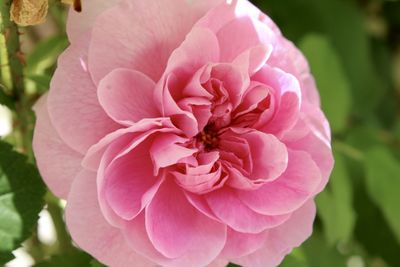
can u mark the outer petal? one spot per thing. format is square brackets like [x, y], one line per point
[73, 106]
[281, 240]
[141, 34]
[228, 207]
[290, 191]
[127, 96]
[177, 229]
[80, 23]
[240, 244]
[57, 162]
[321, 153]
[91, 232]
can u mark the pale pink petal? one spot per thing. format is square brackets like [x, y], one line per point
[282, 239]
[138, 39]
[240, 35]
[226, 205]
[72, 102]
[79, 23]
[219, 263]
[253, 59]
[199, 237]
[227, 11]
[58, 163]
[241, 244]
[136, 236]
[127, 96]
[91, 232]
[290, 191]
[199, 48]
[320, 152]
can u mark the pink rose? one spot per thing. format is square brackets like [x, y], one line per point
[183, 133]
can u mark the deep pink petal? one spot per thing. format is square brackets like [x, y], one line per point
[58, 163]
[287, 94]
[93, 156]
[167, 150]
[91, 232]
[129, 182]
[72, 103]
[290, 191]
[226, 205]
[199, 237]
[127, 96]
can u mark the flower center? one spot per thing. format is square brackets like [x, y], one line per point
[208, 137]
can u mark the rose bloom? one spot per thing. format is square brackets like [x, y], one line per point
[183, 133]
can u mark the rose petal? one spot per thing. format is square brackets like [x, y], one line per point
[281, 240]
[58, 163]
[139, 40]
[127, 96]
[227, 206]
[72, 102]
[91, 232]
[129, 183]
[290, 191]
[198, 236]
[241, 244]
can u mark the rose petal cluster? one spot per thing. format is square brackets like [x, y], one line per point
[183, 133]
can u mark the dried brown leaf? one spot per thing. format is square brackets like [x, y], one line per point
[29, 12]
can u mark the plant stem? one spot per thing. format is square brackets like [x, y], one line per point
[16, 66]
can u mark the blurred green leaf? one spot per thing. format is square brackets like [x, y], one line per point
[42, 82]
[95, 263]
[319, 254]
[291, 261]
[331, 80]
[335, 206]
[78, 259]
[383, 183]
[21, 199]
[5, 99]
[45, 54]
[343, 24]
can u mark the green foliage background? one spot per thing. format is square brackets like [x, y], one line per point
[353, 47]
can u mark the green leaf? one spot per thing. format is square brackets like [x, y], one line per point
[78, 259]
[42, 81]
[319, 254]
[5, 99]
[343, 23]
[383, 183]
[331, 80]
[21, 199]
[291, 261]
[95, 263]
[335, 205]
[45, 54]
